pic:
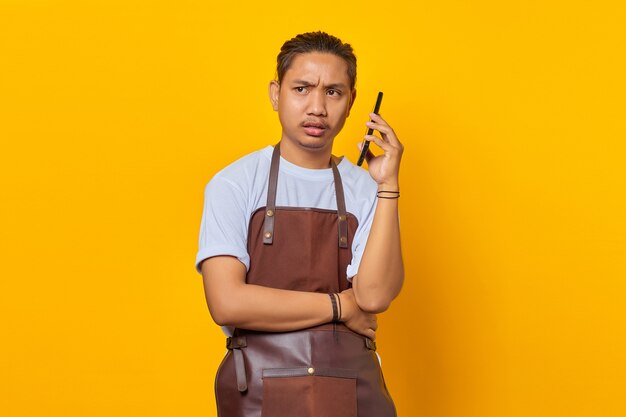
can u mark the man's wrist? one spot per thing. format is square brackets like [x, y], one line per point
[389, 186]
[388, 191]
[342, 317]
[333, 301]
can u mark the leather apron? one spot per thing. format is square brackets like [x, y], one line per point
[323, 371]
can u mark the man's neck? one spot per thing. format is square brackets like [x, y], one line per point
[312, 159]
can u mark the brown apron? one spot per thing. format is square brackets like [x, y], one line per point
[323, 371]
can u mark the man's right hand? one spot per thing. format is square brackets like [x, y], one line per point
[356, 319]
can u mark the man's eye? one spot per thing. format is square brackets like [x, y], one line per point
[300, 89]
[333, 92]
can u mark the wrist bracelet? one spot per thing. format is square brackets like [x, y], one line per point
[333, 301]
[394, 194]
[340, 310]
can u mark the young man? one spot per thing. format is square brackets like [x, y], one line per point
[300, 249]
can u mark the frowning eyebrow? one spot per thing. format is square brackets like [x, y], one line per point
[305, 83]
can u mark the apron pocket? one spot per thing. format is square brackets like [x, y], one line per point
[309, 392]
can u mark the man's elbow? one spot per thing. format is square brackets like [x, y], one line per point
[375, 300]
[373, 305]
[225, 320]
[222, 314]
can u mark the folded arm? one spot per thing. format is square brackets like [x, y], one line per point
[233, 302]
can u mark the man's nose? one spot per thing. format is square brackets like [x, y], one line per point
[317, 104]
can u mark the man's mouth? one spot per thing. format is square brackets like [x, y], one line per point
[316, 129]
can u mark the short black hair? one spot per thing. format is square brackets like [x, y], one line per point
[315, 42]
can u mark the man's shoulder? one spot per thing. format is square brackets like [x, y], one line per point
[242, 168]
[356, 176]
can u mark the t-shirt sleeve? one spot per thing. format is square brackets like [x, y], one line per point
[360, 238]
[223, 229]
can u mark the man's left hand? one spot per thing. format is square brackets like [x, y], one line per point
[386, 167]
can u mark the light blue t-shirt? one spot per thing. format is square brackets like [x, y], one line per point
[240, 189]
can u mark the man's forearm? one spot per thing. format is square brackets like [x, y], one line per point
[381, 271]
[232, 302]
[273, 310]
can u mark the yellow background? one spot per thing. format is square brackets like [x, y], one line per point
[115, 114]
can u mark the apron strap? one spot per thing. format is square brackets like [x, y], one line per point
[270, 207]
[341, 207]
[235, 344]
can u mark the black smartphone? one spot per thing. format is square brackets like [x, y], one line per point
[366, 143]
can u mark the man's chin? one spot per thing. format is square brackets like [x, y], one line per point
[314, 143]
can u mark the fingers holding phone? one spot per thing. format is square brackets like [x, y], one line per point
[383, 168]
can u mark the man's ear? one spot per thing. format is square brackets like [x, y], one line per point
[352, 98]
[274, 92]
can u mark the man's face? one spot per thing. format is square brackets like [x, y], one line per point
[313, 100]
